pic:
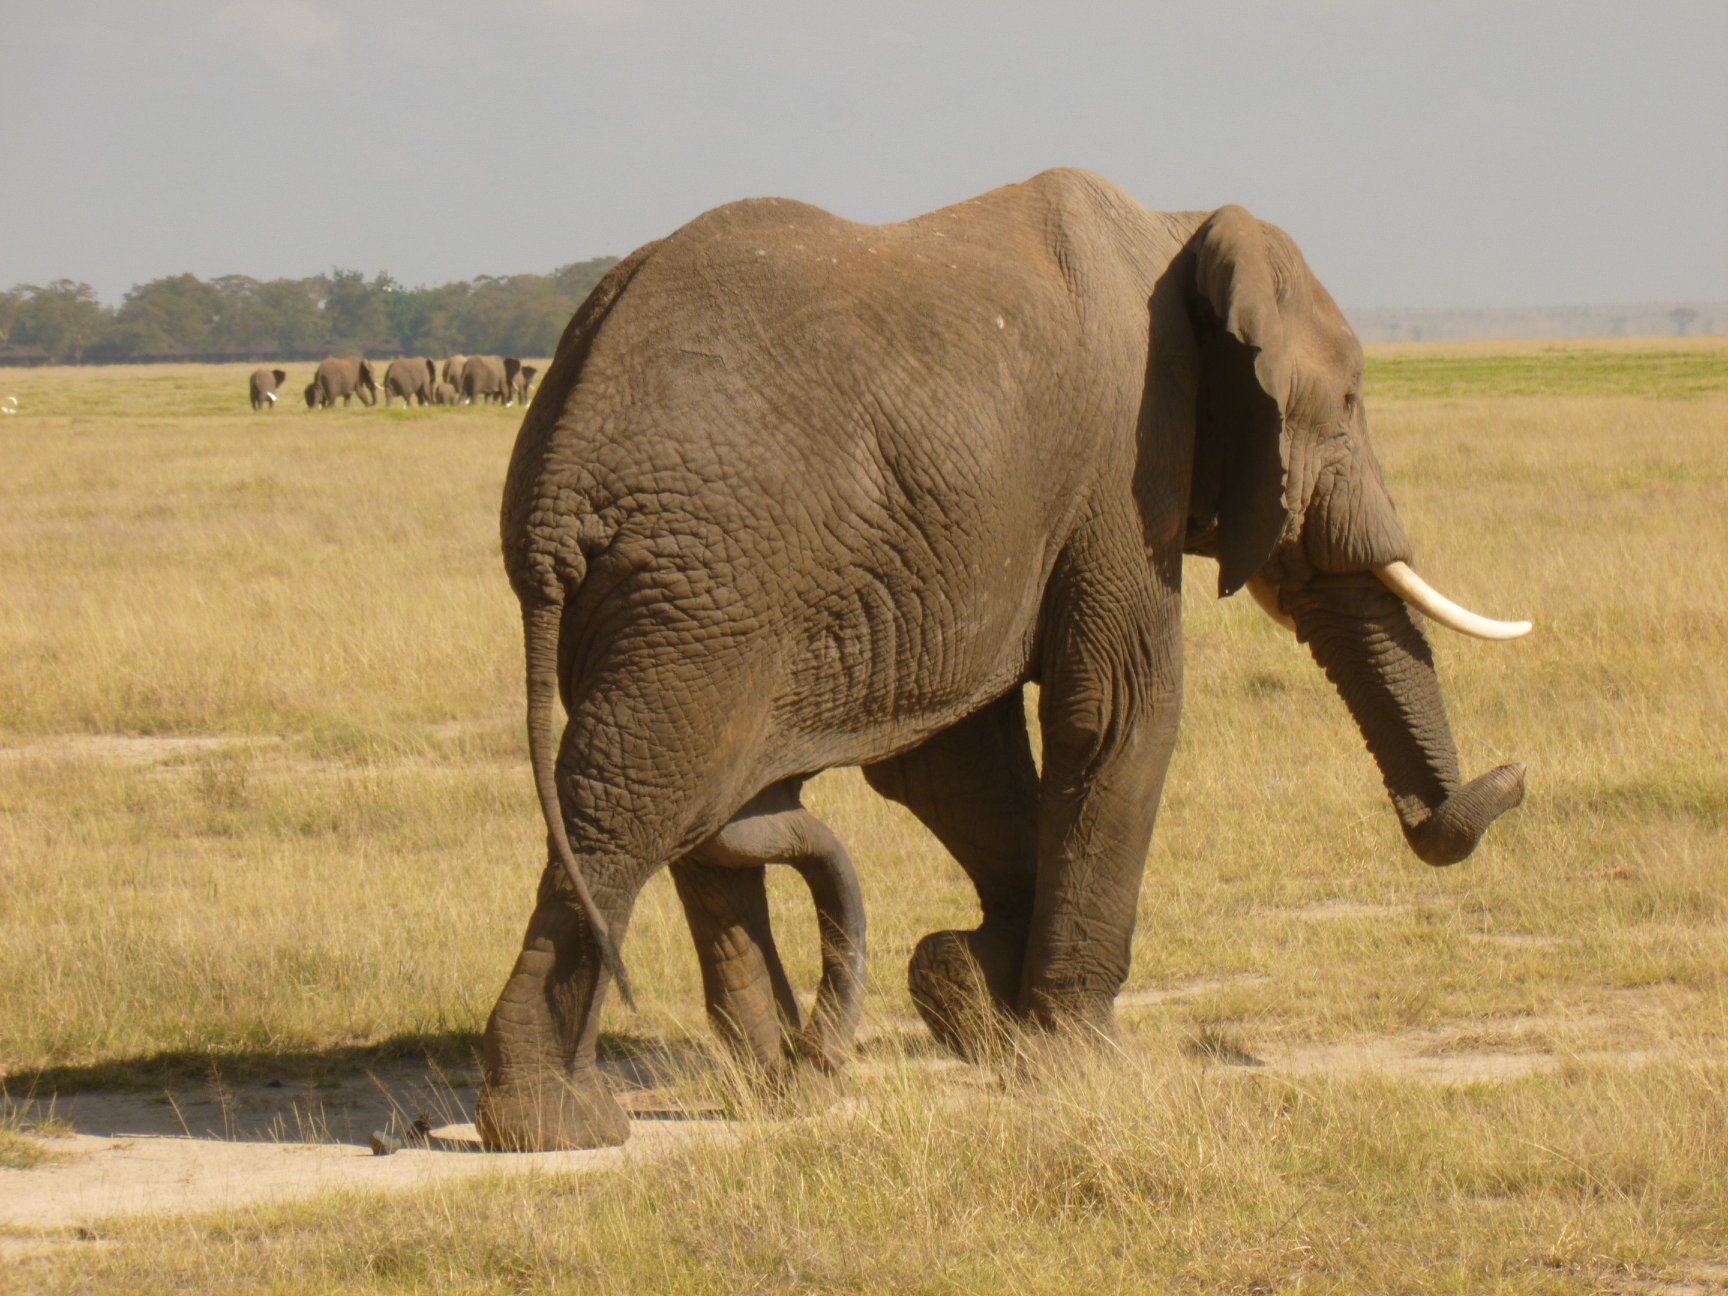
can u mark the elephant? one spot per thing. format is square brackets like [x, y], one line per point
[411, 378]
[489, 378]
[451, 370]
[523, 384]
[262, 387]
[346, 378]
[799, 493]
[445, 394]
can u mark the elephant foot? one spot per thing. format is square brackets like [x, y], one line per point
[555, 1113]
[804, 1089]
[1086, 1017]
[962, 984]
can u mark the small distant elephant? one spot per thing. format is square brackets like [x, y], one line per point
[347, 377]
[263, 385]
[490, 378]
[411, 378]
[451, 371]
[523, 384]
[446, 394]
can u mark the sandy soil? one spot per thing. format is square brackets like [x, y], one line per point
[127, 749]
[203, 1147]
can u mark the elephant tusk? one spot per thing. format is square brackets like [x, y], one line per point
[1419, 594]
[1266, 595]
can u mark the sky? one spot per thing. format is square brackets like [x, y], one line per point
[1435, 154]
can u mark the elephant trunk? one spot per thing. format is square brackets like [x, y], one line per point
[1380, 662]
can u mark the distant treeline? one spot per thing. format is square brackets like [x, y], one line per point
[343, 312]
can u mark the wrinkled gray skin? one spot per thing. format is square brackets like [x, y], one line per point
[262, 385]
[799, 493]
[411, 378]
[445, 394]
[345, 378]
[489, 378]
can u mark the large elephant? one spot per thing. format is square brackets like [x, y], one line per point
[799, 493]
[489, 378]
[342, 377]
[412, 378]
[261, 387]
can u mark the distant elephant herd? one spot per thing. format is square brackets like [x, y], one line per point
[461, 380]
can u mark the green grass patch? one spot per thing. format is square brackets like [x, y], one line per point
[1560, 371]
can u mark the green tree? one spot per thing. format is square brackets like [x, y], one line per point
[240, 326]
[576, 280]
[291, 313]
[354, 314]
[10, 301]
[64, 318]
[175, 314]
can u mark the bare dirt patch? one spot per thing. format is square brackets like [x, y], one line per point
[1330, 910]
[211, 1146]
[1152, 997]
[1516, 940]
[1687, 1278]
[128, 749]
[1473, 1052]
[203, 1145]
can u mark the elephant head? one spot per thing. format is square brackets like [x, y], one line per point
[1289, 499]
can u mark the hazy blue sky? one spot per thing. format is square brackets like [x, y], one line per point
[1423, 154]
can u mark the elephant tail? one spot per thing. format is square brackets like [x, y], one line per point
[540, 635]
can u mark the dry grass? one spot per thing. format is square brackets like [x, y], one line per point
[355, 869]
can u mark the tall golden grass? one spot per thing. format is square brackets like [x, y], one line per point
[355, 868]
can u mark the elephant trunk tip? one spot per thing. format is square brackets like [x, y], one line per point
[1450, 832]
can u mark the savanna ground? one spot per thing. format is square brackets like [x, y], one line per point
[267, 841]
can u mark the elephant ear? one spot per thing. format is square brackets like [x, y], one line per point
[511, 365]
[1242, 450]
[280, 375]
[432, 373]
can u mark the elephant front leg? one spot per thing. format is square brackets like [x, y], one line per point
[543, 1089]
[1108, 710]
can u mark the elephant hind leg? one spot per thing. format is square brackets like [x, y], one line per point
[632, 788]
[749, 997]
[974, 785]
[750, 1002]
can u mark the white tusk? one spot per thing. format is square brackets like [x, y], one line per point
[270, 396]
[1267, 597]
[1419, 594]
